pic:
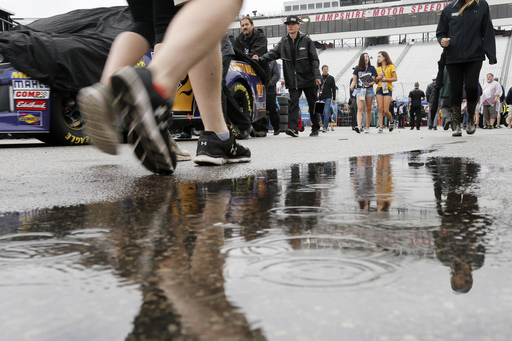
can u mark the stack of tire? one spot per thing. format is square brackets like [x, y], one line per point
[284, 104]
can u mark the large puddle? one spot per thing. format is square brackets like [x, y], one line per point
[386, 247]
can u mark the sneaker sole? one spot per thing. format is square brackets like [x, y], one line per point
[181, 155]
[95, 108]
[206, 160]
[148, 144]
[291, 133]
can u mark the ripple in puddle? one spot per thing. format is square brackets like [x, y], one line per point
[42, 250]
[321, 186]
[26, 236]
[274, 246]
[88, 233]
[345, 219]
[324, 272]
[299, 211]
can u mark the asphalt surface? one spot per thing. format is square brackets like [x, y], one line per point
[35, 176]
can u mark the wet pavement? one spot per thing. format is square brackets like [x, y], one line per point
[330, 241]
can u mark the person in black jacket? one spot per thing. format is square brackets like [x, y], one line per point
[271, 93]
[416, 96]
[301, 72]
[252, 41]
[466, 33]
[508, 99]
[327, 95]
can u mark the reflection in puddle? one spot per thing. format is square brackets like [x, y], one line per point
[313, 251]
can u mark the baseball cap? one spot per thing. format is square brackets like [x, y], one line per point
[292, 19]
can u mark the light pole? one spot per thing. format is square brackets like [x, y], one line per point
[306, 20]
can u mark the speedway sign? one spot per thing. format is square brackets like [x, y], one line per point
[379, 12]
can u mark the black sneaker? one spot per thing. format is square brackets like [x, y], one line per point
[212, 151]
[313, 133]
[147, 116]
[391, 126]
[358, 130]
[292, 133]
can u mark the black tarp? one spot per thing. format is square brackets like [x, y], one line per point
[67, 51]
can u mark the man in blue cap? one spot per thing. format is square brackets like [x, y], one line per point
[301, 72]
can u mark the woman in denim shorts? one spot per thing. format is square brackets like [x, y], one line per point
[362, 85]
[386, 76]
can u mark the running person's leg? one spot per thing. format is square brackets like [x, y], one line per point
[185, 45]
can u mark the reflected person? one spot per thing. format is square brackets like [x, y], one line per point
[459, 242]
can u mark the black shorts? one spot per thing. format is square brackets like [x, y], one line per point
[151, 18]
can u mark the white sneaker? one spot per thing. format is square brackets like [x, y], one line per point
[380, 131]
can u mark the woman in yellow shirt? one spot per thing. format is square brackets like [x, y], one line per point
[386, 75]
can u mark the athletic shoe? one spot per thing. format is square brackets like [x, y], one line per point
[292, 133]
[446, 124]
[97, 103]
[181, 154]
[314, 133]
[392, 126]
[147, 116]
[212, 151]
[380, 131]
[277, 131]
[367, 131]
[324, 130]
[457, 132]
[358, 130]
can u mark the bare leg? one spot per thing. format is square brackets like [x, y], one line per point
[127, 49]
[369, 101]
[380, 105]
[206, 77]
[387, 102]
[360, 106]
[185, 45]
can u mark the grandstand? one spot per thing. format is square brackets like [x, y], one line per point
[408, 37]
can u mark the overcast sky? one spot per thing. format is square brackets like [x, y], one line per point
[47, 8]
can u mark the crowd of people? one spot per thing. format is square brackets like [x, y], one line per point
[145, 95]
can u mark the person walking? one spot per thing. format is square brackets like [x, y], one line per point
[362, 84]
[466, 33]
[500, 105]
[301, 72]
[416, 96]
[433, 116]
[150, 21]
[252, 41]
[490, 101]
[327, 94]
[271, 95]
[147, 94]
[386, 76]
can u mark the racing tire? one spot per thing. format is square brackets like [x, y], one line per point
[67, 123]
[283, 110]
[241, 94]
[283, 100]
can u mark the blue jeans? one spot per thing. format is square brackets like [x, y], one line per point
[327, 112]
